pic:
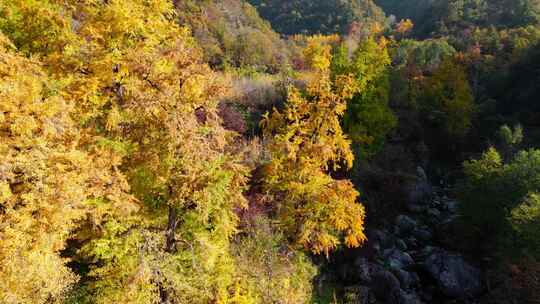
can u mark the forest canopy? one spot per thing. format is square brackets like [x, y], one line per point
[243, 152]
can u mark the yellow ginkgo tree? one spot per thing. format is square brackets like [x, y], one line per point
[136, 86]
[48, 185]
[306, 145]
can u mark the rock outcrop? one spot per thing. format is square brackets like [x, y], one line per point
[412, 263]
[454, 276]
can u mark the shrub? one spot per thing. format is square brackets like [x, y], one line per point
[268, 269]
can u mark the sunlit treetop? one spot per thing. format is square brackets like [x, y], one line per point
[48, 185]
[306, 143]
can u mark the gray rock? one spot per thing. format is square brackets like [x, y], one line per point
[404, 224]
[433, 217]
[455, 277]
[418, 192]
[422, 234]
[380, 237]
[397, 258]
[422, 254]
[428, 250]
[406, 279]
[375, 235]
[451, 206]
[411, 242]
[362, 270]
[400, 244]
[377, 248]
[416, 208]
[421, 174]
[434, 213]
[385, 286]
[408, 298]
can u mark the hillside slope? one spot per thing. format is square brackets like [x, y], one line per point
[232, 33]
[443, 16]
[319, 16]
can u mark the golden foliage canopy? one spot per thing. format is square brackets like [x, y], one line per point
[129, 95]
[48, 183]
[307, 142]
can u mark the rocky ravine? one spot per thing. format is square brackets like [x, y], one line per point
[409, 263]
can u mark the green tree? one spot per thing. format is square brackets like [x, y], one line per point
[368, 118]
[525, 222]
[500, 202]
[484, 175]
[509, 139]
[445, 99]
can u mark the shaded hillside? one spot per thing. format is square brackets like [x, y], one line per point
[319, 16]
[520, 95]
[448, 16]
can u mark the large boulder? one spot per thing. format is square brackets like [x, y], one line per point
[397, 258]
[380, 237]
[420, 190]
[454, 276]
[359, 271]
[422, 234]
[406, 279]
[404, 224]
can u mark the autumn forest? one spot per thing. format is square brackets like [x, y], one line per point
[269, 151]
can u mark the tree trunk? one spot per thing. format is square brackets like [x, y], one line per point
[170, 242]
[171, 230]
